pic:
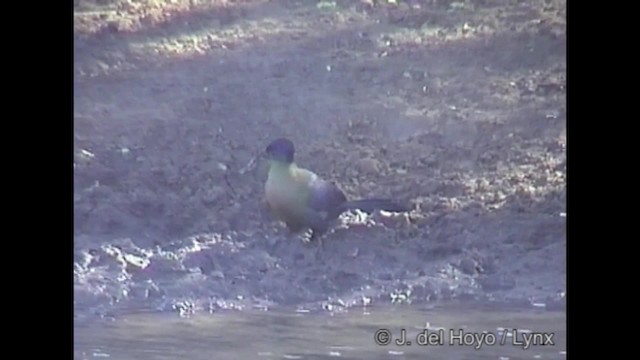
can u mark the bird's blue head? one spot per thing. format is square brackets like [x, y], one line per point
[281, 150]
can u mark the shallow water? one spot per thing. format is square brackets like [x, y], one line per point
[283, 334]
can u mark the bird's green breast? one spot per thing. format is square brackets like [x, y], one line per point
[287, 192]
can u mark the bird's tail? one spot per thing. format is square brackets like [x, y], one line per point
[370, 205]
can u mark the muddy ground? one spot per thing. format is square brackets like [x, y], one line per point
[456, 106]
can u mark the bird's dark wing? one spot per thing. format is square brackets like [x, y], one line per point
[324, 196]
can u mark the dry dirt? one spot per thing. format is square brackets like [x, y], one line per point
[456, 106]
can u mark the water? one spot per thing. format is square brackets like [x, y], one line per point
[283, 334]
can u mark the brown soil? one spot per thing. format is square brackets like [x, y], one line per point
[456, 106]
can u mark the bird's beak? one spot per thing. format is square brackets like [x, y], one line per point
[265, 155]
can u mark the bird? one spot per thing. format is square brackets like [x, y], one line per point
[305, 201]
